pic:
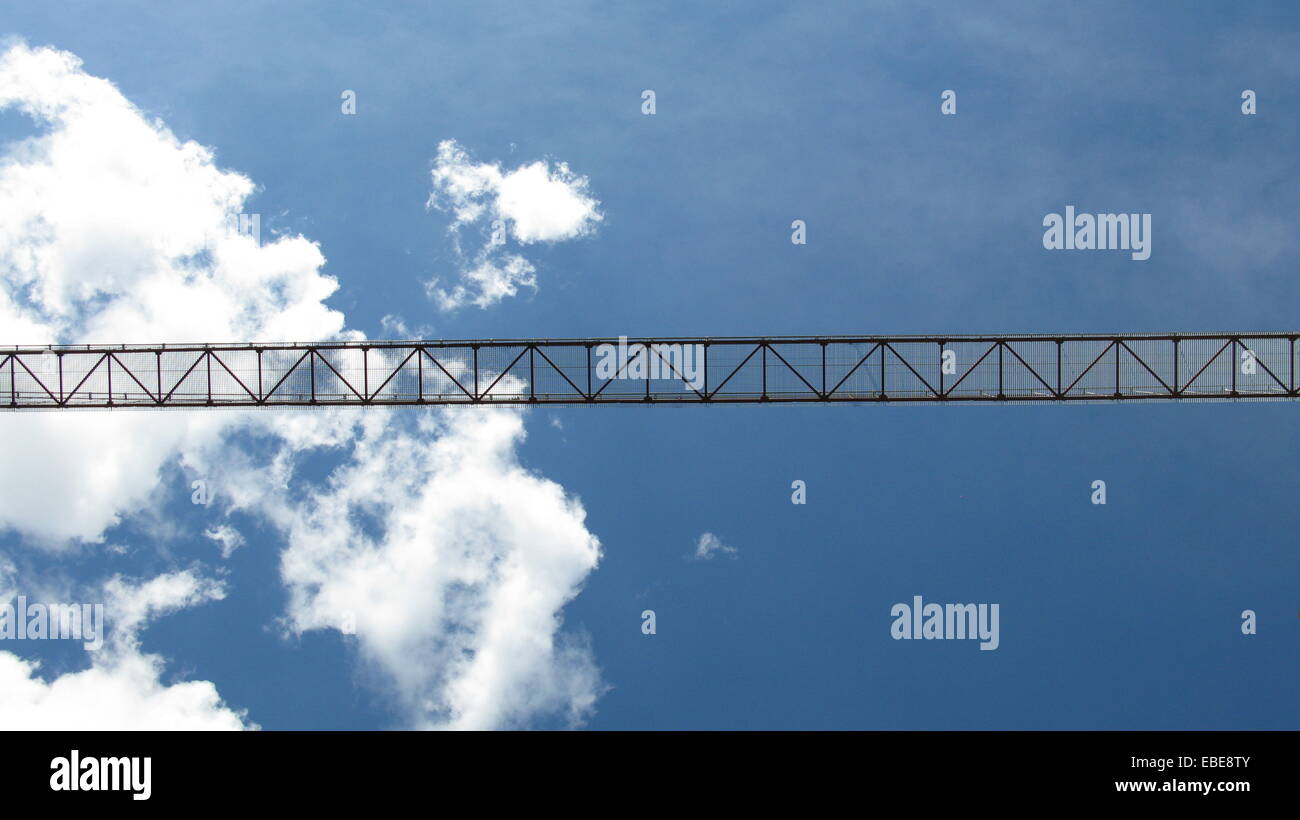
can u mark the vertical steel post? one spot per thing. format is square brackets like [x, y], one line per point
[940, 370]
[707, 396]
[1177, 389]
[1059, 386]
[1001, 394]
[883, 394]
[823, 370]
[1232, 362]
[1115, 344]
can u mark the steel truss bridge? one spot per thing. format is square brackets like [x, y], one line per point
[817, 369]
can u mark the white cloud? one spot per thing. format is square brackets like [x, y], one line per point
[8, 579]
[456, 582]
[395, 327]
[130, 606]
[124, 695]
[532, 203]
[111, 230]
[710, 545]
[122, 687]
[486, 282]
[227, 538]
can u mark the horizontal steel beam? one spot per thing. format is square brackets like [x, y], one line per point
[694, 370]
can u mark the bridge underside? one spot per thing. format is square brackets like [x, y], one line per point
[824, 369]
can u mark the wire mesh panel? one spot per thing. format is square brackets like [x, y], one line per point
[34, 378]
[1263, 366]
[1205, 367]
[1029, 369]
[912, 369]
[795, 371]
[974, 370]
[1018, 368]
[854, 370]
[1148, 366]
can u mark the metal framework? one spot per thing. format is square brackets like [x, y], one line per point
[824, 369]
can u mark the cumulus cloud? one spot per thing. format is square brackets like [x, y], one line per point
[484, 283]
[456, 562]
[536, 202]
[122, 688]
[112, 229]
[710, 545]
[449, 564]
[226, 537]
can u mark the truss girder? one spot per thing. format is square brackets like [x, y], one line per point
[819, 369]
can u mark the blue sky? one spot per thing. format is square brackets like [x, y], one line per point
[1118, 616]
